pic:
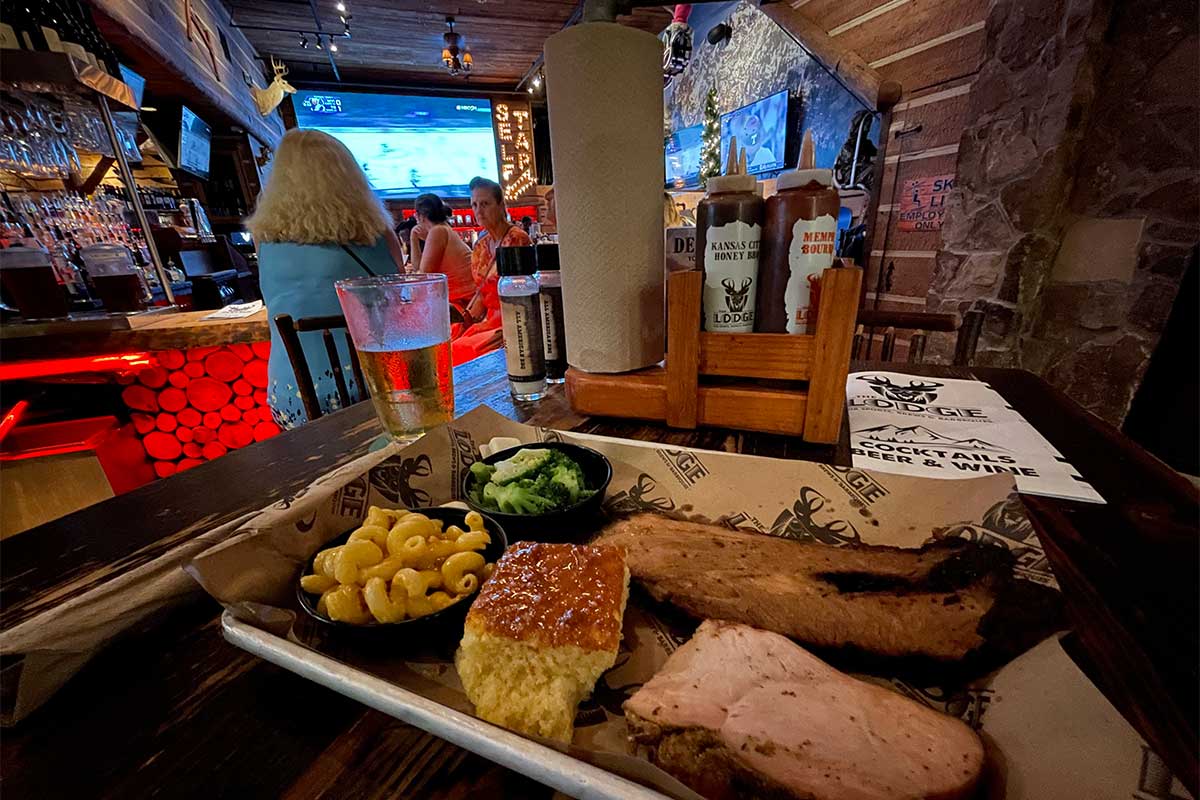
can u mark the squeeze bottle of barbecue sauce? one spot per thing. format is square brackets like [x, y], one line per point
[728, 232]
[799, 240]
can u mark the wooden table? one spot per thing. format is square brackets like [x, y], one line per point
[175, 711]
[159, 330]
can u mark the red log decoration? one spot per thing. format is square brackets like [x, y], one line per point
[154, 377]
[139, 398]
[196, 405]
[172, 399]
[265, 430]
[171, 360]
[214, 450]
[224, 366]
[162, 446]
[256, 374]
[207, 394]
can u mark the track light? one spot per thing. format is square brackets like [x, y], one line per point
[332, 46]
[341, 7]
[531, 90]
[320, 42]
[537, 81]
[303, 41]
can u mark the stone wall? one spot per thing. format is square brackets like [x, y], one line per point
[1077, 190]
[1133, 214]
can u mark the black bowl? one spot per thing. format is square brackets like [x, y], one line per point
[433, 628]
[556, 526]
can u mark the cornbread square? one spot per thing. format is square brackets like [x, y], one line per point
[543, 629]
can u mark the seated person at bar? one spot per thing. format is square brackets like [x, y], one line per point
[317, 222]
[404, 234]
[483, 312]
[437, 248]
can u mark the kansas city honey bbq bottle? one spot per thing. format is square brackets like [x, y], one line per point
[728, 232]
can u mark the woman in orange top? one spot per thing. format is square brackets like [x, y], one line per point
[437, 248]
[483, 312]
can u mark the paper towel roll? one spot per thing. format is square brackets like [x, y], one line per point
[605, 101]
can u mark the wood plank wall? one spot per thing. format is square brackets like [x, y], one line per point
[934, 49]
[153, 35]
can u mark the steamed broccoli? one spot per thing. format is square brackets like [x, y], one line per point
[531, 482]
[567, 474]
[482, 472]
[522, 465]
[517, 498]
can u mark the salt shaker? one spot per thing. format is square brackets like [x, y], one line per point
[520, 315]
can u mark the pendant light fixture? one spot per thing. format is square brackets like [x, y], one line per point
[455, 57]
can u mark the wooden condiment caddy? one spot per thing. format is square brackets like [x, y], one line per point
[792, 384]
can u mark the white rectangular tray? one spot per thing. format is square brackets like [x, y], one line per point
[544, 764]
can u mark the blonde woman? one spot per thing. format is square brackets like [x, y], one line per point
[317, 221]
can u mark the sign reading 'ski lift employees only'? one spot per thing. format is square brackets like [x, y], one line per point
[923, 203]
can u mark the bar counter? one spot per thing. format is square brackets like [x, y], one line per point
[107, 334]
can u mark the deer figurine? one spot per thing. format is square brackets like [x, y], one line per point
[267, 99]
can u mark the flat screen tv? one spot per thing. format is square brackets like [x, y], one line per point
[683, 158]
[761, 129]
[407, 144]
[195, 143]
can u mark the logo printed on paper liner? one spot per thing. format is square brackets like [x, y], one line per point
[393, 480]
[916, 392]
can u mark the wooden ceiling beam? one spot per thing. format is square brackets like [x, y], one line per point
[848, 66]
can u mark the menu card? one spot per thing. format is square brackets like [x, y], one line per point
[945, 428]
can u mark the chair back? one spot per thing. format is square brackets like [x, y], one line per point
[290, 330]
[967, 327]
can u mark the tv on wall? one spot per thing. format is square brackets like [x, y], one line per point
[195, 143]
[683, 158]
[407, 144]
[761, 129]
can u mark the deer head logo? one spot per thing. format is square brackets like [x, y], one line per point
[267, 99]
[916, 391]
[736, 299]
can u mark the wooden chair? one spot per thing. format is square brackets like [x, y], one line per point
[968, 328]
[290, 330]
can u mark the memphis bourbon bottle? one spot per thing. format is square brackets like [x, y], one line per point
[799, 241]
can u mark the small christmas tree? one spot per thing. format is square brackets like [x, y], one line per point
[710, 139]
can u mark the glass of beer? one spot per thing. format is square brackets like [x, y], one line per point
[400, 325]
